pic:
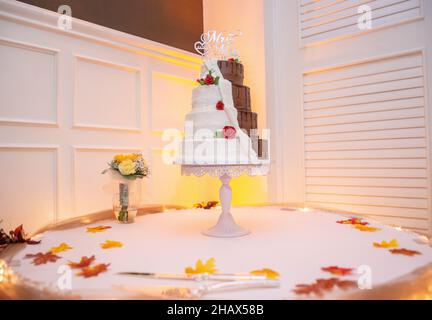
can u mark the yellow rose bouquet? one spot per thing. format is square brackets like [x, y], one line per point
[131, 167]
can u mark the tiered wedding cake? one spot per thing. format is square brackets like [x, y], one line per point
[213, 134]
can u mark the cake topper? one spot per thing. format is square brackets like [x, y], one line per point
[217, 45]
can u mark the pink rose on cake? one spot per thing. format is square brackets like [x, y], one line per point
[229, 132]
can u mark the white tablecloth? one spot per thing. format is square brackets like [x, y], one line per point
[296, 244]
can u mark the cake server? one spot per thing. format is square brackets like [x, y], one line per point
[171, 292]
[196, 277]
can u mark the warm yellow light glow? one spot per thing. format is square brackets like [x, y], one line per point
[6, 273]
[398, 228]
[304, 209]
[86, 221]
[169, 60]
[248, 190]
[174, 78]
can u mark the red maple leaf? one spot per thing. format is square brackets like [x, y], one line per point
[353, 221]
[88, 272]
[42, 258]
[84, 262]
[405, 252]
[320, 286]
[335, 270]
[15, 236]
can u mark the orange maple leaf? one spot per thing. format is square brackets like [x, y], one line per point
[108, 244]
[384, 244]
[88, 272]
[98, 229]
[335, 270]
[200, 267]
[405, 252]
[42, 258]
[269, 273]
[364, 228]
[62, 247]
[84, 262]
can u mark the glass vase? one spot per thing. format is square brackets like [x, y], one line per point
[125, 200]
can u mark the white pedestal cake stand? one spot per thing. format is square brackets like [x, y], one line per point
[226, 227]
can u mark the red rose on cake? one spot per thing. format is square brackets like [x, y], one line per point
[208, 80]
[220, 105]
[237, 60]
[229, 132]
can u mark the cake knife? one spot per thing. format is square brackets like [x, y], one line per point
[171, 292]
[196, 277]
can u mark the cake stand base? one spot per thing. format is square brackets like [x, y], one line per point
[226, 227]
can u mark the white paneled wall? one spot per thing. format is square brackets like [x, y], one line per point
[366, 139]
[334, 19]
[70, 100]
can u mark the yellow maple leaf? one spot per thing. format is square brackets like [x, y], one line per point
[97, 229]
[365, 228]
[384, 244]
[209, 267]
[269, 273]
[62, 247]
[111, 244]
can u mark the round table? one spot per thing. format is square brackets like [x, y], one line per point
[294, 243]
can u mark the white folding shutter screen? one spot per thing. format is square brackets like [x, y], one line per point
[323, 20]
[365, 139]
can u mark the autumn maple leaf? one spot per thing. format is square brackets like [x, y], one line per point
[17, 235]
[384, 244]
[269, 273]
[320, 286]
[98, 229]
[108, 244]
[62, 247]
[353, 221]
[94, 271]
[365, 228]
[84, 262]
[200, 267]
[405, 252]
[335, 270]
[42, 258]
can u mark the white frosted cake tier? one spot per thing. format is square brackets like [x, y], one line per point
[204, 96]
[212, 120]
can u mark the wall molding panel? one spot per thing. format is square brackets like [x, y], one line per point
[366, 141]
[33, 69]
[118, 98]
[29, 171]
